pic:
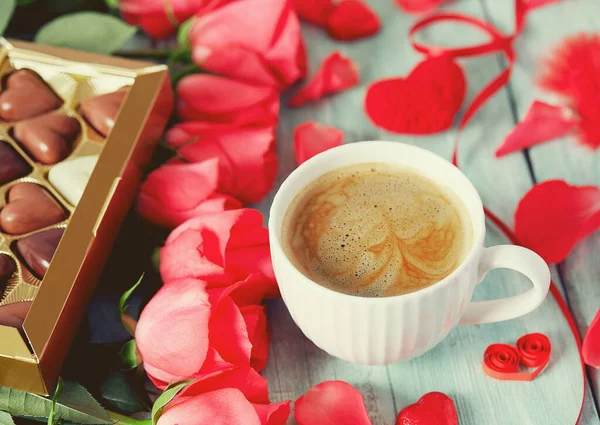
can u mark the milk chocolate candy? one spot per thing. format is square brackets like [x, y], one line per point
[101, 111]
[30, 207]
[38, 249]
[26, 95]
[14, 314]
[47, 138]
[12, 166]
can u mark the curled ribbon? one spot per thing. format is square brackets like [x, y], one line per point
[501, 361]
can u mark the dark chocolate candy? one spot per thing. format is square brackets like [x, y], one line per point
[101, 111]
[7, 269]
[12, 166]
[47, 138]
[38, 249]
[26, 95]
[30, 207]
[14, 314]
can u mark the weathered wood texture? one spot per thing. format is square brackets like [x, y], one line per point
[454, 365]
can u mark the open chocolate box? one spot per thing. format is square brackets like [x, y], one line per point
[76, 131]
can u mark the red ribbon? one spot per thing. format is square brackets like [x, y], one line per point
[501, 361]
[499, 44]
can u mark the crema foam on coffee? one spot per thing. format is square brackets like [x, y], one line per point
[374, 230]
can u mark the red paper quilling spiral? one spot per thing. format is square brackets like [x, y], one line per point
[501, 361]
[534, 349]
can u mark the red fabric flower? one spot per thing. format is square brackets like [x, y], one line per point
[591, 343]
[336, 73]
[311, 138]
[220, 249]
[203, 97]
[160, 18]
[187, 330]
[572, 72]
[174, 193]
[542, 122]
[418, 6]
[351, 20]
[331, 403]
[236, 397]
[258, 41]
[554, 216]
[247, 156]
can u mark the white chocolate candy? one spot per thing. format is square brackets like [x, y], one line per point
[71, 177]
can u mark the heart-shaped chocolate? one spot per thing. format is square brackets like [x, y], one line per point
[101, 111]
[47, 138]
[14, 314]
[38, 249]
[431, 409]
[12, 166]
[26, 95]
[7, 269]
[425, 102]
[30, 207]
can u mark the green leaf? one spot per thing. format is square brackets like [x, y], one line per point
[183, 34]
[130, 355]
[53, 418]
[89, 31]
[118, 394]
[128, 321]
[25, 2]
[165, 398]
[155, 260]
[112, 4]
[7, 7]
[6, 419]
[74, 404]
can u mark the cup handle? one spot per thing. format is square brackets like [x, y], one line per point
[516, 258]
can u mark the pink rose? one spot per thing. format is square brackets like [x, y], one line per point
[235, 397]
[203, 97]
[187, 330]
[258, 41]
[247, 157]
[174, 193]
[220, 248]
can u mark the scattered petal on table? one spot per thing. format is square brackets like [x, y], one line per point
[591, 343]
[432, 409]
[542, 122]
[336, 73]
[331, 403]
[352, 20]
[273, 414]
[418, 6]
[314, 11]
[311, 138]
[553, 216]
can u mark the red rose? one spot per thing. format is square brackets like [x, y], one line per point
[247, 157]
[236, 397]
[187, 330]
[203, 97]
[160, 18]
[174, 193]
[220, 248]
[258, 41]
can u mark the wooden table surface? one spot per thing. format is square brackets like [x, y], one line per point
[454, 366]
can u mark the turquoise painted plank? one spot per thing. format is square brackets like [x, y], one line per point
[564, 158]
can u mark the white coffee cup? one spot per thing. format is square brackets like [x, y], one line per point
[377, 331]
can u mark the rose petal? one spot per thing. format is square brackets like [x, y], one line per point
[224, 248]
[425, 102]
[331, 403]
[542, 123]
[203, 97]
[226, 406]
[432, 409]
[214, 363]
[174, 193]
[247, 157]
[418, 6]
[554, 216]
[314, 11]
[172, 333]
[253, 290]
[245, 379]
[228, 333]
[273, 414]
[311, 138]
[336, 73]
[258, 332]
[352, 20]
[591, 343]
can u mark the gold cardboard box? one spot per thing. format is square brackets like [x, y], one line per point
[31, 358]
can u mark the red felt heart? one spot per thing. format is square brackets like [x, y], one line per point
[418, 6]
[423, 103]
[431, 409]
[351, 20]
